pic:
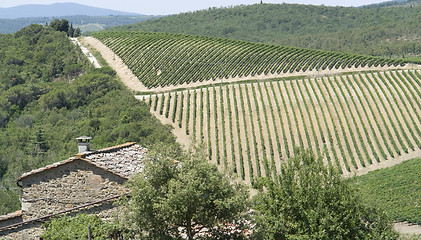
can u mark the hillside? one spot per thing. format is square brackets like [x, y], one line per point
[386, 32]
[161, 59]
[57, 10]
[356, 113]
[356, 121]
[395, 3]
[49, 95]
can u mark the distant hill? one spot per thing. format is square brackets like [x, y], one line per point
[85, 23]
[386, 32]
[395, 3]
[57, 10]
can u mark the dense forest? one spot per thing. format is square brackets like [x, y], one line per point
[379, 31]
[49, 95]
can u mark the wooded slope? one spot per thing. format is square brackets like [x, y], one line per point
[388, 32]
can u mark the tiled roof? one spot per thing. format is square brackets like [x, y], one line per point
[122, 160]
[126, 161]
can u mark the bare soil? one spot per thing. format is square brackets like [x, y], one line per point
[368, 119]
[243, 131]
[407, 229]
[315, 116]
[377, 114]
[341, 115]
[333, 123]
[403, 106]
[115, 62]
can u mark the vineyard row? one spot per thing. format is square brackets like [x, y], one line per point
[163, 59]
[354, 121]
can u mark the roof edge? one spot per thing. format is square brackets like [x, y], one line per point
[106, 150]
[80, 156]
[18, 213]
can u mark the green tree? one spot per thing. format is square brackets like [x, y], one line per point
[182, 190]
[311, 201]
[71, 31]
[77, 32]
[78, 227]
[60, 25]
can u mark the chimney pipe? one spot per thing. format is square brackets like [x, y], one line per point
[84, 144]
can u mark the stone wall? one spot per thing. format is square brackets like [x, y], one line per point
[32, 230]
[68, 186]
[26, 232]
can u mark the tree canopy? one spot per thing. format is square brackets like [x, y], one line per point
[311, 201]
[180, 192]
[81, 226]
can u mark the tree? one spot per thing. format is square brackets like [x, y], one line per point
[60, 25]
[179, 190]
[80, 227]
[77, 32]
[311, 201]
[71, 31]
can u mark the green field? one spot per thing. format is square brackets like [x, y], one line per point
[397, 190]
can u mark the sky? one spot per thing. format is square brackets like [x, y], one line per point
[165, 7]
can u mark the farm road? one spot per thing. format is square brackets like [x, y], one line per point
[115, 62]
[85, 51]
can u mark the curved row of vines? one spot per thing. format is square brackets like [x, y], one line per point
[165, 59]
[353, 120]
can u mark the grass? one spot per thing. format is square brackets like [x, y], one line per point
[397, 190]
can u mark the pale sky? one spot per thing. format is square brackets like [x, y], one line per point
[165, 7]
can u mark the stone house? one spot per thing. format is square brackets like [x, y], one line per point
[89, 182]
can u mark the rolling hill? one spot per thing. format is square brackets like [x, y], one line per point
[160, 59]
[395, 3]
[379, 31]
[57, 10]
[359, 112]
[88, 19]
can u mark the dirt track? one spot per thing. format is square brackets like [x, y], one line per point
[125, 74]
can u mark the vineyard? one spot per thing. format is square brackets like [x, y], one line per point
[163, 59]
[353, 120]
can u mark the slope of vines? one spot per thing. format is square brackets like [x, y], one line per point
[354, 120]
[164, 59]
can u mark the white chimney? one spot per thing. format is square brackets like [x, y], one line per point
[84, 144]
